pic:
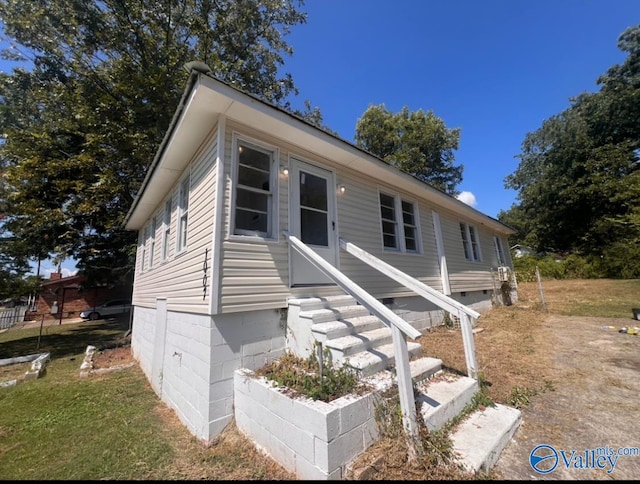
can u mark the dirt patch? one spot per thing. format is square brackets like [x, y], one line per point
[594, 404]
[111, 357]
[14, 372]
[576, 383]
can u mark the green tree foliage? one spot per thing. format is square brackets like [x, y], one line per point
[418, 143]
[13, 269]
[99, 83]
[578, 179]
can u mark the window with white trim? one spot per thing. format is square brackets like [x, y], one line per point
[470, 242]
[166, 229]
[499, 251]
[183, 211]
[145, 236]
[410, 226]
[254, 198]
[399, 219]
[152, 238]
[389, 223]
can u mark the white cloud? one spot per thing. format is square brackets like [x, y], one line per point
[468, 198]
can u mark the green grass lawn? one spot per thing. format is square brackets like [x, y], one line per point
[63, 426]
[108, 426]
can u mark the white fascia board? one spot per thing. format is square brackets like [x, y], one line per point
[210, 98]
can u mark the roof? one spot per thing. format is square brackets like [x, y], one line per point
[207, 98]
[67, 281]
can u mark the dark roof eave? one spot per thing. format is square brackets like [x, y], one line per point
[191, 82]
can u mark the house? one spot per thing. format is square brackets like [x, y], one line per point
[64, 298]
[522, 251]
[238, 191]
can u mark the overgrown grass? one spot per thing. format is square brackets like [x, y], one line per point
[607, 298]
[303, 377]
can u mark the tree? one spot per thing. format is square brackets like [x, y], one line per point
[82, 120]
[578, 179]
[416, 142]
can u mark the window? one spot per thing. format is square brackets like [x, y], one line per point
[389, 224]
[470, 242]
[254, 191]
[152, 245]
[145, 236]
[410, 228]
[499, 251]
[166, 229]
[402, 236]
[183, 207]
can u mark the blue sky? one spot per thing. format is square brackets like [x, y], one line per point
[494, 69]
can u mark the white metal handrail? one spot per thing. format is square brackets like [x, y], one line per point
[399, 328]
[445, 302]
[465, 314]
[374, 306]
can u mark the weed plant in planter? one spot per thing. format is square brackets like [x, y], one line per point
[311, 378]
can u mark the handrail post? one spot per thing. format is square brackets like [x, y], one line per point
[469, 346]
[405, 388]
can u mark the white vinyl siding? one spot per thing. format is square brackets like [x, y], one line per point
[255, 273]
[182, 279]
[464, 275]
[254, 269]
[355, 210]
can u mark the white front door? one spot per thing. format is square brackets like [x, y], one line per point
[312, 220]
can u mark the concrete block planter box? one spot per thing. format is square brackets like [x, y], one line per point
[313, 439]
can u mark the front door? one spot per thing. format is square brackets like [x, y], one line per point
[312, 220]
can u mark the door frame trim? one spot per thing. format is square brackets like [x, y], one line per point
[295, 162]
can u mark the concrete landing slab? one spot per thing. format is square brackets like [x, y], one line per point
[481, 438]
[444, 397]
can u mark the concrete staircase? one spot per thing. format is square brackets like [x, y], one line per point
[363, 342]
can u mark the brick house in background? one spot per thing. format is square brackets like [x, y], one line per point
[70, 297]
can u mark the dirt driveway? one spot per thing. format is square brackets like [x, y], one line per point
[596, 404]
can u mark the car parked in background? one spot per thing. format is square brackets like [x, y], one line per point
[111, 308]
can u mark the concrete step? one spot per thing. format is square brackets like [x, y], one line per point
[335, 329]
[480, 439]
[355, 343]
[331, 314]
[311, 303]
[424, 367]
[443, 397]
[377, 359]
